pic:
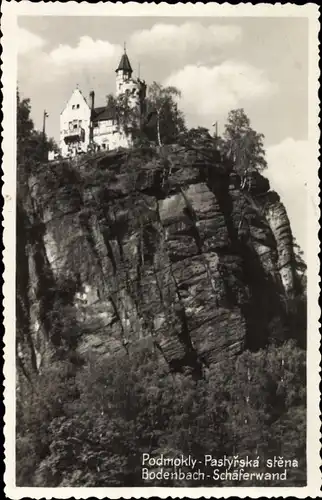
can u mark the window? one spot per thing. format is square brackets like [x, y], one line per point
[73, 106]
[77, 106]
[104, 146]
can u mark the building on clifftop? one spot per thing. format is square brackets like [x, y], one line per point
[84, 127]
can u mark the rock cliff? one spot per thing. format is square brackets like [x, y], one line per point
[165, 246]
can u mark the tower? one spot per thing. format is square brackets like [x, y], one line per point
[123, 73]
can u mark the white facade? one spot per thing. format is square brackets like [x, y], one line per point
[75, 125]
[108, 135]
[127, 86]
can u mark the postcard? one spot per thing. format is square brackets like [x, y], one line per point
[161, 282]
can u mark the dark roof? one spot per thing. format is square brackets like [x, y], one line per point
[104, 113]
[125, 64]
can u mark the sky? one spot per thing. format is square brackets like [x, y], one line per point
[219, 64]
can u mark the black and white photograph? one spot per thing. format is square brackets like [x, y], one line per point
[163, 202]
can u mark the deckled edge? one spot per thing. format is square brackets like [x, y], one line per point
[10, 10]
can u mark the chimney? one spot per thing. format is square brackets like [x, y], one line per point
[92, 104]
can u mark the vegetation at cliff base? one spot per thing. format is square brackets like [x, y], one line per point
[92, 427]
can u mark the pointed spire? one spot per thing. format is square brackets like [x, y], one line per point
[125, 64]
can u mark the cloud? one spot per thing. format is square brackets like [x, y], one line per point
[291, 173]
[89, 59]
[209, 92]
[28, 42]
[188, 39]
[87, 51]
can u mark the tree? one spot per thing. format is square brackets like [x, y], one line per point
[243, 144]
[128, 117]
[32, 145]
[200, 138]
[164, 121]
[25, 125]
[159, 120]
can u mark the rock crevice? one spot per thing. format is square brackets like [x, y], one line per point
[190, 259]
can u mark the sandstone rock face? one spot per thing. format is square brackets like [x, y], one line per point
[160, 244]
[279, 222]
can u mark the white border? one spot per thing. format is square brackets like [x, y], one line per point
[10, 11]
